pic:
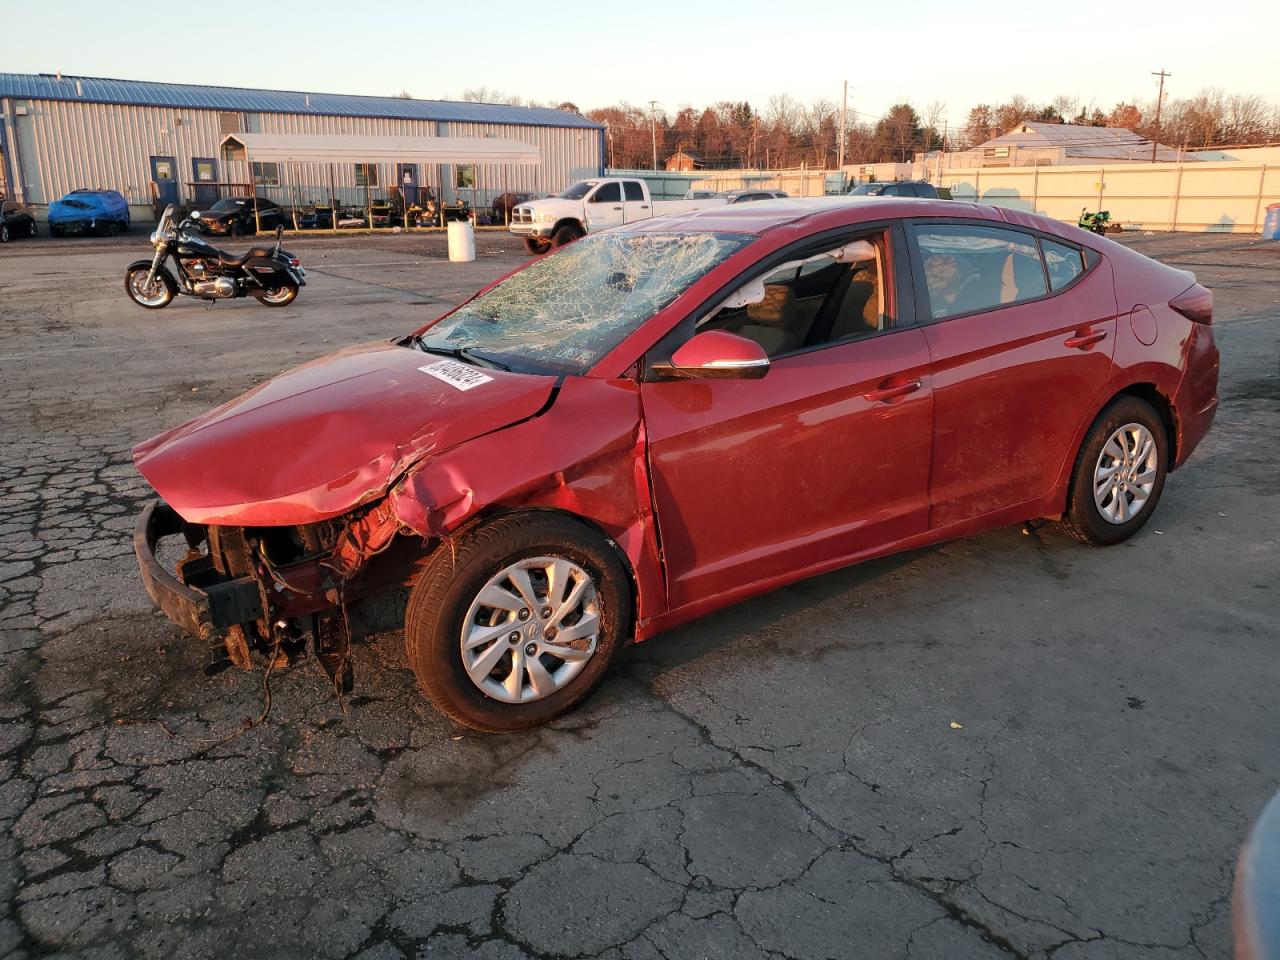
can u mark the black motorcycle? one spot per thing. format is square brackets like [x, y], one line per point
[272, 275]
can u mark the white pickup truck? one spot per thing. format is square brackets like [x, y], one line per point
[591, 205]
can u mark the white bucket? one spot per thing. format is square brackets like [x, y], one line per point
[462, 241]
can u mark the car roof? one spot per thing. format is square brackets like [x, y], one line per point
[816, 214]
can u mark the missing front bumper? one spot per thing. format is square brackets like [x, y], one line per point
[204, 602]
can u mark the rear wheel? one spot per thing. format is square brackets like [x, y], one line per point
[4, 233]
[517, 621]
[159, 294]
[536, 245]
[1119, 473]
[31, 230]
[280, 296]
[566, 234]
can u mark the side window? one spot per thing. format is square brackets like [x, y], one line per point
[633, 190]
[1063, 262]
[970, 268]
[609, 193]
[822, 298]
[893, 190]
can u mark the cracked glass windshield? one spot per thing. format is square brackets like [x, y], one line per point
[566, 311]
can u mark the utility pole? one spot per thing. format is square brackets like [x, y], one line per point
[653, 130]
[844, 113]
[1159, 103]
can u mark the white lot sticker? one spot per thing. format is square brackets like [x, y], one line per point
[456, 374]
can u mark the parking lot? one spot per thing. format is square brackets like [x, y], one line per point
[1010, 745]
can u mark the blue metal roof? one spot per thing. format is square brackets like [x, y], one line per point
[46, 86]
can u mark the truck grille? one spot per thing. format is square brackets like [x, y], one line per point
[521, 215]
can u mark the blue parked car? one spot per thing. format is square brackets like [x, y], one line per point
[101, 212]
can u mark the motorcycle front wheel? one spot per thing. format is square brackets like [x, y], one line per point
[280, 296]
[159, 294]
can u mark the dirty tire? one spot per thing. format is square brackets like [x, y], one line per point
[1083, 519]
[566, 235]
[455, 574]
[536, 246]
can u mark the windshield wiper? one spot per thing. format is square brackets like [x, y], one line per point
[465, 354]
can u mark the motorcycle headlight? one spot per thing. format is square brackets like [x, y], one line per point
[155, 237]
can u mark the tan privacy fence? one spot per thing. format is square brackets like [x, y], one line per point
[1228, 197]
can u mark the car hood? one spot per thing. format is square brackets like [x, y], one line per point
[328, 436]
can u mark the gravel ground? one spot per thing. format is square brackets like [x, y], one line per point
[784, 779]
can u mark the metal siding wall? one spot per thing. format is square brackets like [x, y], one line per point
[77, 145]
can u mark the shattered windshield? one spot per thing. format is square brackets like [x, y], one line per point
[563, 313]
[578, 190]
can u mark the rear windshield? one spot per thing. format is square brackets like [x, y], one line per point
[563, 313]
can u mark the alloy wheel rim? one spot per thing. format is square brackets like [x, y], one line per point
[148, 296]
[531, 629]
[1125, 473]
[276, 294]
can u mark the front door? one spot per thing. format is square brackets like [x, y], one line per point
[756, 479]
[604, 207]
[205, 172]
[407, 175]
[1020, 352]
[164, 180]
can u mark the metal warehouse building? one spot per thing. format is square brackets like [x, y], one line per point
[160, 142]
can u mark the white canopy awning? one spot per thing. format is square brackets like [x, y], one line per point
[276, 147]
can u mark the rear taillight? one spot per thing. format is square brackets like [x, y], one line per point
[1195, 303]
[295, 262]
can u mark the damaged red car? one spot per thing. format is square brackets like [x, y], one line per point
[662, 419]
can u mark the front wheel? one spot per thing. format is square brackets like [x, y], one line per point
[566, 235]
[517, 621]
[536, 245]
[280, 296]
[1119, 473]
[159, 294]
[31, 230]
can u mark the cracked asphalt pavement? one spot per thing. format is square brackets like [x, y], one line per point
[1010, 745]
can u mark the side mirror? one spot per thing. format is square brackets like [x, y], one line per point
[718, 355]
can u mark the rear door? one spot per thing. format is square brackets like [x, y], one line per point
[604, 207]
[635, 202]
[1019, 355]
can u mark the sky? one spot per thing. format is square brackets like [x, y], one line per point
[677, 53]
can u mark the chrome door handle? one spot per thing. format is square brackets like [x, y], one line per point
[885, 394]
[1083, 341]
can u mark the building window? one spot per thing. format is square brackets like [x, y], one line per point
[465, 176]
[366, 174]
[266, 174]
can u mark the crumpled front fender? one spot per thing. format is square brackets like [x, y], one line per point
[584, 456]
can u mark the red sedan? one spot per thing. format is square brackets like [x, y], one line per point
[669, 417]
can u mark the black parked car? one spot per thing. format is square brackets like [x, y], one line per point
[900, 188]
[233, 216]
[15, 222]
